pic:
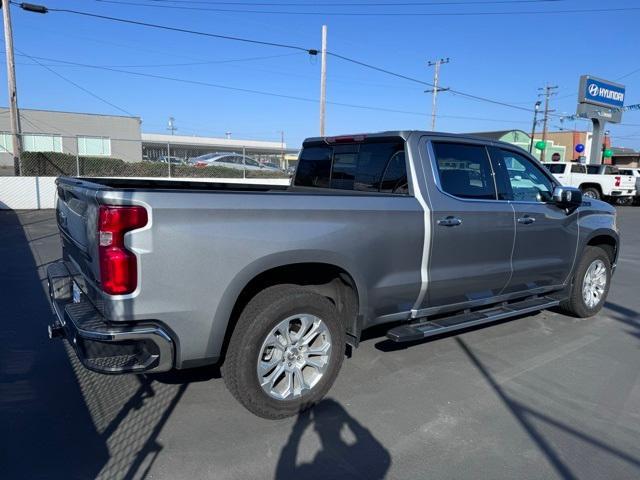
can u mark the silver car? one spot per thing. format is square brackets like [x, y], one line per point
[230, 160]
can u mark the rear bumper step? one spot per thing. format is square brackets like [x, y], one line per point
[418, 331]
[102, 346]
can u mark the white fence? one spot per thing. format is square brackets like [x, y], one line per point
[32, 193]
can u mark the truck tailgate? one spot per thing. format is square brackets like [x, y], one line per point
[76, 214]
[627, 182]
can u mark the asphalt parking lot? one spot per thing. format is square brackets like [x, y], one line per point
[542, 396]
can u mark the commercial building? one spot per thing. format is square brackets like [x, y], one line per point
[522, 139]
[156, 146]
[116, 136]
[626, 157]
[563, 143]
[85, 134]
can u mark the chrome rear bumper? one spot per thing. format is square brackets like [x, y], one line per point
[102, 346]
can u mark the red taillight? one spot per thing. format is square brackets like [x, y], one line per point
[118, 266]
[617, 184]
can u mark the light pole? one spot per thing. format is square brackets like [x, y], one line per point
[533, 127]
[16, 134]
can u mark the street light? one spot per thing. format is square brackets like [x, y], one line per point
[535, 120]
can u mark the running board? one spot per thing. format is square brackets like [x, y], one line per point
[418, 331]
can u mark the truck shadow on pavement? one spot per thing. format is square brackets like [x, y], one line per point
[528, 417]
[58, 419]
[363, 458]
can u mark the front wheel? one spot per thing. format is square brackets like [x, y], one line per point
[285, 352]
[591, 284]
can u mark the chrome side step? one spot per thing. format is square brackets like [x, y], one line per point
[418, 331]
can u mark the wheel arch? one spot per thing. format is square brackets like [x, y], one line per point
[608, 240]
[322, 273]
[585, 185]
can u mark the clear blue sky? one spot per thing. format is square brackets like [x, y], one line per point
[506, 57]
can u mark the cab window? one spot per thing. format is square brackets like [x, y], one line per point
[464, 170]
[557, 168]
[366, 167]
[528, 182]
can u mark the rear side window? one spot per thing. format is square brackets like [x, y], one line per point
[557, 168]
[464, 170]
[314, 167]
[368, 167]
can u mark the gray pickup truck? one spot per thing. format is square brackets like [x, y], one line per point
[426, 232]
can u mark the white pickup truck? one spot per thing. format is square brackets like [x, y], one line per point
[596, 181]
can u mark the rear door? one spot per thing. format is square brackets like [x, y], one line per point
[560, 171]
[546, 235]
[473, 231]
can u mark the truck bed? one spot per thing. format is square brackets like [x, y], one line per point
[169, 185]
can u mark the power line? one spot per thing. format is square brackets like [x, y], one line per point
[309, 51]
[89, 92]
[428, 84]
[353, 4]
[369, 14]
[258, 92]
[204, 62]
[182, 30]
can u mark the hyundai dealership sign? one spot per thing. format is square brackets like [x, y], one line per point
[596, 91]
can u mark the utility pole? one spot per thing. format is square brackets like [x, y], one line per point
[172, 125]
[436, 89]
[535, 121]
[172, 128]
[323, 79]
[16, 134]
[282, 149]
[547, 91]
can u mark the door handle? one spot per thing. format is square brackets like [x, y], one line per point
[526, 220]
[449, 222]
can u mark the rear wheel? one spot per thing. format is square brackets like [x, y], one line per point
[591, 284]
[622, 201]
[285, 351]
[591, 192]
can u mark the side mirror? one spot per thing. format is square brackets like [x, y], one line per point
[567, 197]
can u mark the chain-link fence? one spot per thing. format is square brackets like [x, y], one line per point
[214, 165]
[116, 158]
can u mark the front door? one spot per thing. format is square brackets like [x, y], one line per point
[472, 229]
[546, 235]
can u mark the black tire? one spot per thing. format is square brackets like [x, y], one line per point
[259, 317]
[591, 192]
[575, 305]
[624, 201]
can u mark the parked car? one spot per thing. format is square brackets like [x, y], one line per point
[272, 165]
[635, 173]
[229, 160]
[428, 233]
[595, 181]
[173, 160]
